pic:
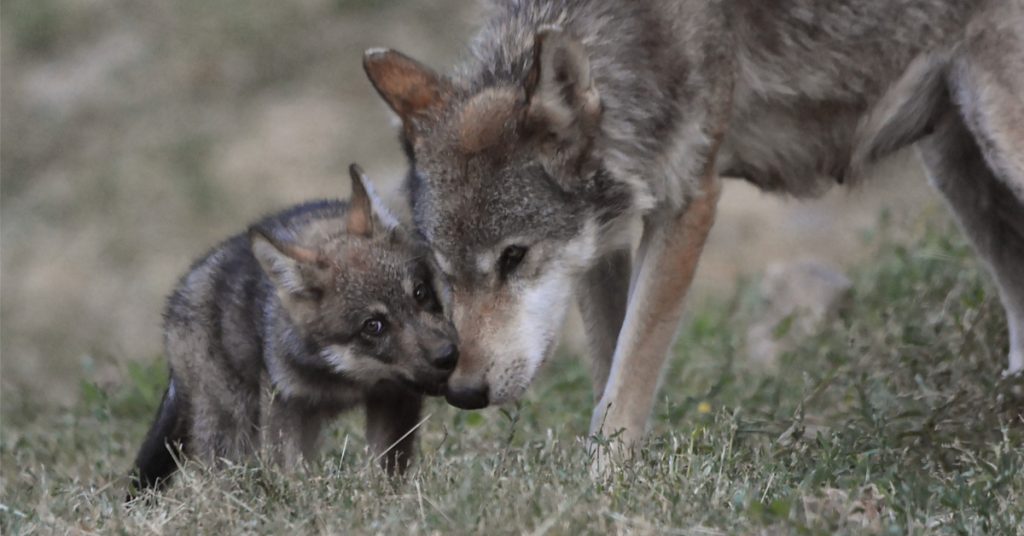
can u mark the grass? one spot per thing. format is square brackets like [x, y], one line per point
[894, 418]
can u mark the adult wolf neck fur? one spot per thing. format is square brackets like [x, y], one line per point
[638, 63]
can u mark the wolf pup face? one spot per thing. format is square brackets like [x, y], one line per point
[369, 302]
[502, 182]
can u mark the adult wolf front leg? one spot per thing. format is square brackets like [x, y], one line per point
[602, 297]
[667, 259]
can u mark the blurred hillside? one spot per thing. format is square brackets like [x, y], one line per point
[136, 134]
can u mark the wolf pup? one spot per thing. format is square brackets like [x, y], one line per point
[575, 119]
[319, 308]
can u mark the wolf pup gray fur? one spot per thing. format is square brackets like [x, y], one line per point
[573, 120]
[316, 309]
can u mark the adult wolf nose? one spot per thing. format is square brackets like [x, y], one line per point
[467, 396]
[447, 358]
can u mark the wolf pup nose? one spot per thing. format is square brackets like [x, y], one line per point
[447, 358]
[317, 309]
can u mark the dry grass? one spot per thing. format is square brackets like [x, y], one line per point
[893, 419]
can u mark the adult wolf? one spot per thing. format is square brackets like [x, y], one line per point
[572, 119]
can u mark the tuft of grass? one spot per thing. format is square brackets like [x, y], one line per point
[894, 418]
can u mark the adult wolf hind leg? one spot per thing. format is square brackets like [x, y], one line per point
[989, 213]
[976, 158]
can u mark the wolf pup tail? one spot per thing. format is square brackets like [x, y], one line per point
[155, 461]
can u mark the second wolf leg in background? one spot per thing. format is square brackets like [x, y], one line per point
[603, 293]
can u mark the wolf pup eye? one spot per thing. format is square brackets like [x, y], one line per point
[374, 327]
[510, 259]
[423, 294]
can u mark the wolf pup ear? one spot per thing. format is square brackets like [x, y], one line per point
[410, 88]
[283, 263]
[366, 210]
[559, 89]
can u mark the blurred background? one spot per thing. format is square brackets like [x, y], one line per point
[134, 135]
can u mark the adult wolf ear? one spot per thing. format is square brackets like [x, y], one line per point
[367, 212]
[562, 101]
[410, 88]
[292, 268]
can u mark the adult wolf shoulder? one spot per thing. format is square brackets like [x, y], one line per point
[573, 119]
[316, 309]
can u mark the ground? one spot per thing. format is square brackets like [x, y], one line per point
[894, 418]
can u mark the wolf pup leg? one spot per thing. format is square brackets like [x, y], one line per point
[392, 417]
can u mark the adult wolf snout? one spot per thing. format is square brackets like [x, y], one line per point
[468, 386]
[467, 393]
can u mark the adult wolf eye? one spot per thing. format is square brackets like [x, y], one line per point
[374, 327]
[510, 259]
[423, 294]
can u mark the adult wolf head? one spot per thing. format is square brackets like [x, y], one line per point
[511, 194]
